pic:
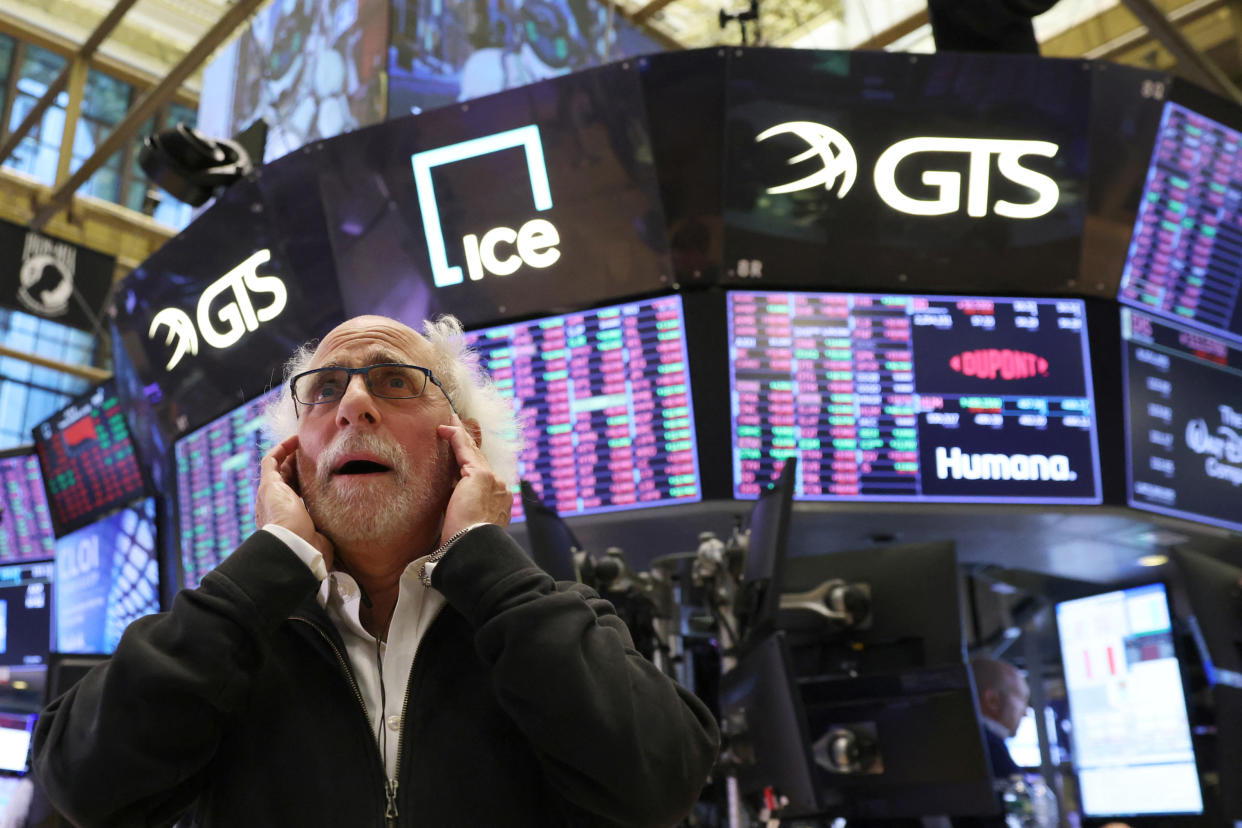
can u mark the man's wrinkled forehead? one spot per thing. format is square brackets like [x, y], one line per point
[366, 340]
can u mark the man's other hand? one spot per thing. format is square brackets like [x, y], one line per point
[480, 496]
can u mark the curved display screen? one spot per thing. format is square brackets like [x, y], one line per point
[888, 397]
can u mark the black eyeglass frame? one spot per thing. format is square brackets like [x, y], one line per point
[365, 371]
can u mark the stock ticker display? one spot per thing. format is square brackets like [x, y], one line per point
[1185, 259]
[88, 460]
[25, 612]
[603, 399]
[886, 397]
[1183, 420]
[25, 524]
[217, 477]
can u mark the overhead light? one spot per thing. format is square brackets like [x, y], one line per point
[190, 166]
[20, 685]
[1153, 560]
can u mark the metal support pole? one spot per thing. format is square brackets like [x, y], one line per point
[86, 372]
[233, 17]
[1190, 60]
[88, 48]
[77, 89]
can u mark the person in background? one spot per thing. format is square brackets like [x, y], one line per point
[1004, 696]
[380, 652]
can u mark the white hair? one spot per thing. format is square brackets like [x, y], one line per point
[466, 383]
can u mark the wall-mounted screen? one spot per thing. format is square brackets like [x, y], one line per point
[25, 524]
[25, 613]
[1185, 258]
[88, 460]
[1132, 746]
[888, 397]
[217, 477]
[603, 397]
[1183, 420]
[107, 574]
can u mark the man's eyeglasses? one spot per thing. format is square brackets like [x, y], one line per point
[390, 380]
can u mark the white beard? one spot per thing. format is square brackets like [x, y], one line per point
[372, 511]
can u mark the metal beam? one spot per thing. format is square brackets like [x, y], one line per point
[86, 372]
[1193, 63]
[1182, 16]
[648, 10]
[655, 34]
[105, 27]
[233, 17]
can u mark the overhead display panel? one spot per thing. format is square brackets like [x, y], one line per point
[536, 200]
[898, 397]
[25, 523]
[107, 575]
[954, 172]
[217, 480]
[25, 613]
[1183, 420]
[603, 399]
[208, 320]
[88, 459]
[1185, 258]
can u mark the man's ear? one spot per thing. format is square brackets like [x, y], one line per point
[476, 433]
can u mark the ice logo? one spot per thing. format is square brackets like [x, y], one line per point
[834, 152]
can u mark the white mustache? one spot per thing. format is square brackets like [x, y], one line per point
[387, 450]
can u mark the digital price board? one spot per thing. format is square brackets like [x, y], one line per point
[1185, 258]
[107, 574]
[25, 612]
[25, 524]
[1183, 420]
[603, 398]
[888, 397]
[217, 479]
[88, 460]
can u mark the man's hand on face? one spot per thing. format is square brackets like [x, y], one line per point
[480, 496]
[279, 500]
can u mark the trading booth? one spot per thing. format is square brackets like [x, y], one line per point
[903, 318]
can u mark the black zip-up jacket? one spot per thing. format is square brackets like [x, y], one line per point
[527, 706]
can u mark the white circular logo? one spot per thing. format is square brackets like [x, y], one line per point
[46, 286]
[834, 152]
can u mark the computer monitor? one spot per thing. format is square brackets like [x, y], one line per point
[16, 730]
[107, 574]
[25, 523]
[66, 669]
[915, 618]
[88, 460]
[879, 747]
[1132, 740]
[552, 542]
[25, 613]
[759, 595]
[1214, 591]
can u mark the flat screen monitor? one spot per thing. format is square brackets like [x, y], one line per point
[88, 460]
[1024, 745]
[25, 612]
[767, 543]
[107, 574]
[603, 398]
[64, 670]
[1132, 742]
[16, 730]
[1183, 393]
[217, 478]
[1214, 589]
[552, 542]
[25, 523]
[913, 398]
[1184, 257]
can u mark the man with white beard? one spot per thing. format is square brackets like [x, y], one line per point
[381, 652]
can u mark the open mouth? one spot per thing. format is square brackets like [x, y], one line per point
[357, 467]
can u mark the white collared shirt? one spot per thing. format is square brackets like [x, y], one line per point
[417, 606]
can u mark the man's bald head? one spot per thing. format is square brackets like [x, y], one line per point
[1003, 692]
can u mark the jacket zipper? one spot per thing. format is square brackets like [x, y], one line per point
[390, 785]
[391, 814]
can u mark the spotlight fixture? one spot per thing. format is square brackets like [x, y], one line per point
[190, 166]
